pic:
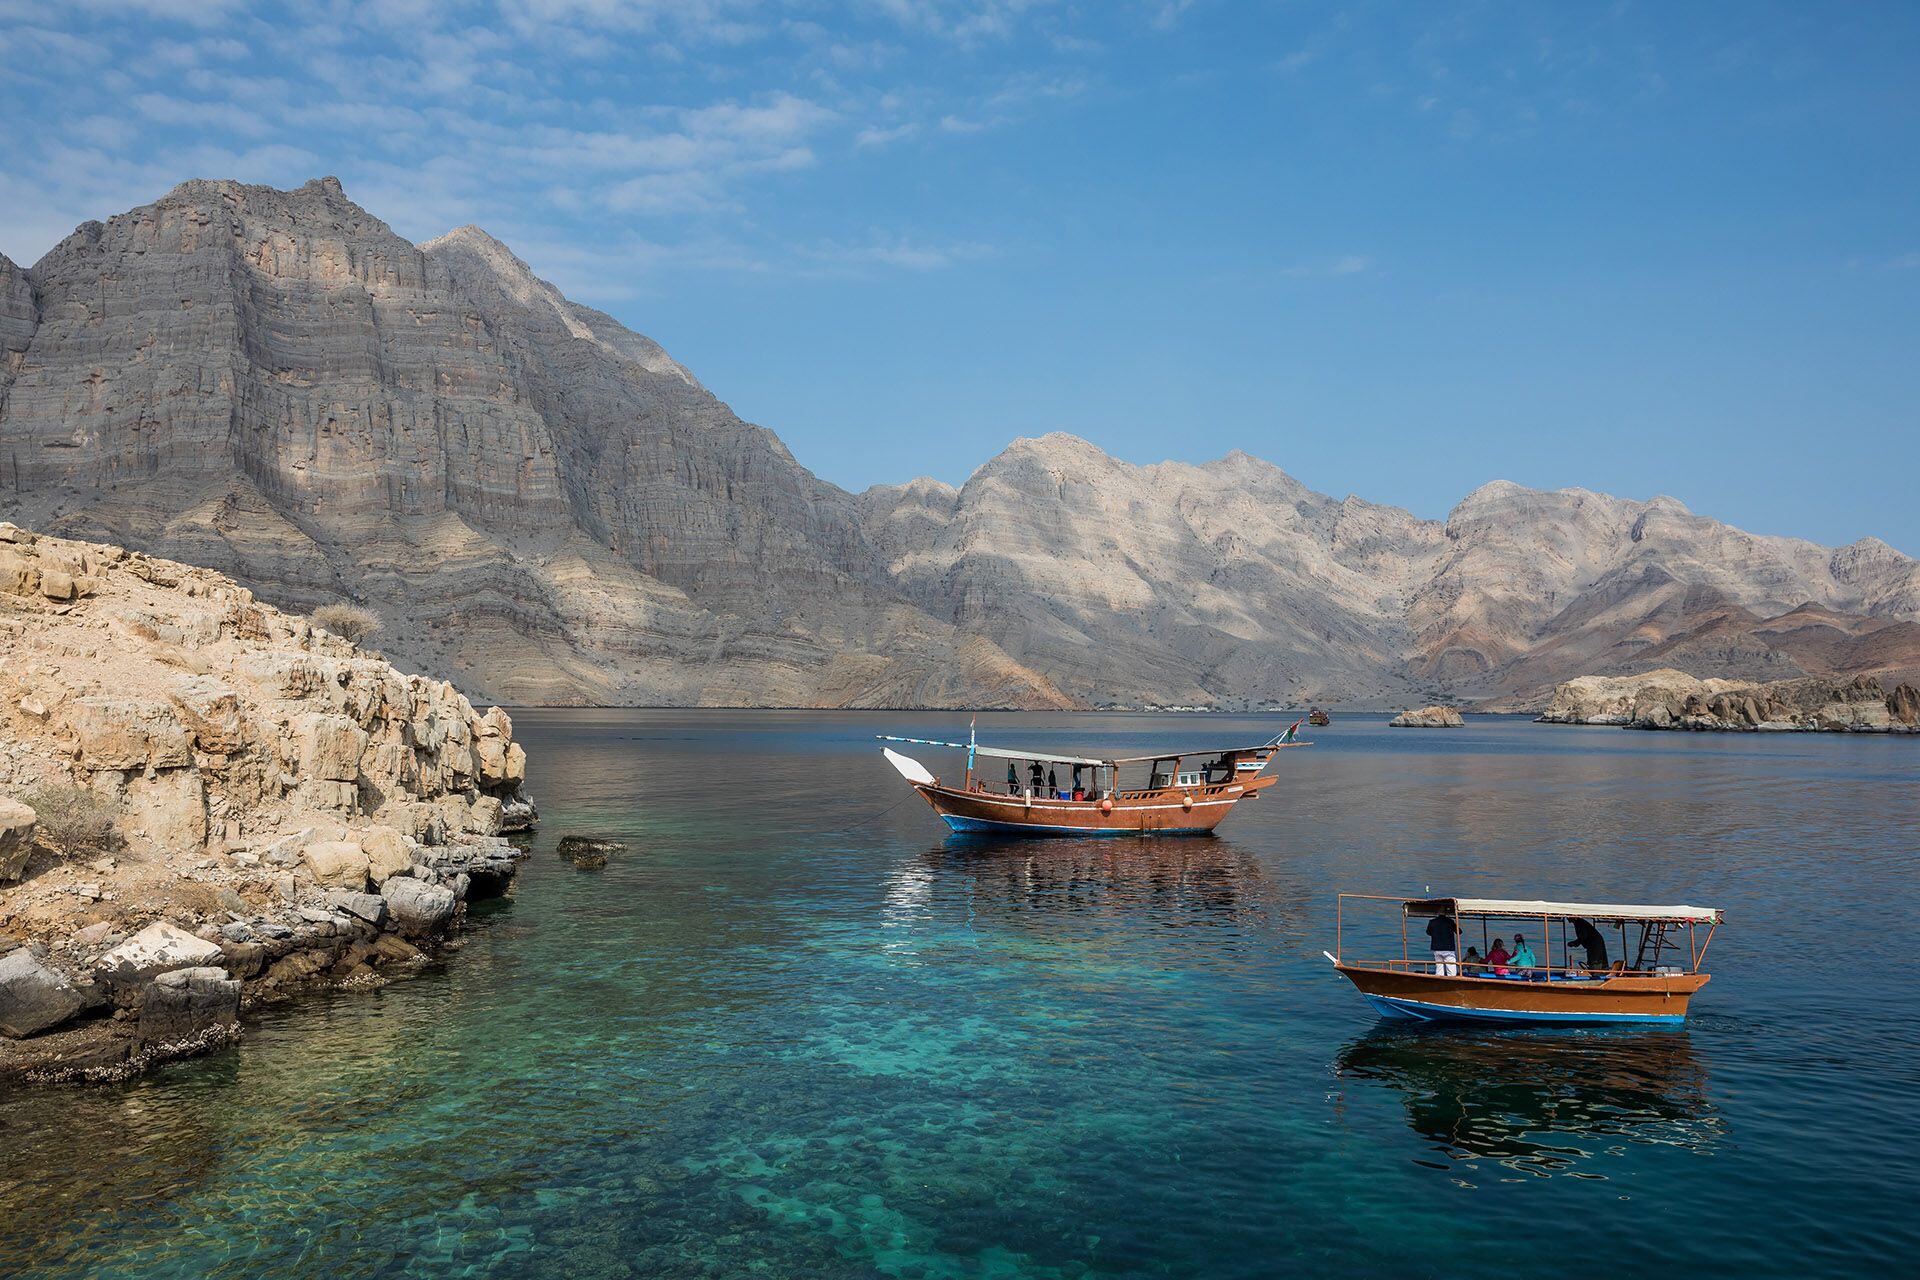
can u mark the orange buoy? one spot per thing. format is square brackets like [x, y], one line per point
[1186, 802]
[1106, 804]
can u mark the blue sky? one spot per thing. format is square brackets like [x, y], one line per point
[1399, 250]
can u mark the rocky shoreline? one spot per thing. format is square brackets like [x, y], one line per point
[207, 804]
[1669, 699]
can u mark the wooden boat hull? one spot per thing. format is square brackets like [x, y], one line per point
[1426, 997]
[1172, 811]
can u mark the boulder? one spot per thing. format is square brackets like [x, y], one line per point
[388, 853]
[1428, 718]
[19, 575]
[417, 907]
[158, 947]
[336, 864]
[184, 1006]
[56, 584]
[370, 907]
[16, 837]
[1903, 704]
[34, 997]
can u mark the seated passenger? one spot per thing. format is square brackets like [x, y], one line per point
[1524, 961]
[1473, 966]
[1498, 957]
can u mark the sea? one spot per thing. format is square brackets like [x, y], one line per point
[795, 1029]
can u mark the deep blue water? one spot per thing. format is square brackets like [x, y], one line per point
[795, 1032]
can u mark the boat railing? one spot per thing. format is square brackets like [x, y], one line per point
[1514, 972]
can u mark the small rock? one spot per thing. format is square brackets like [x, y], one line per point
[573, 846]
[236, 931]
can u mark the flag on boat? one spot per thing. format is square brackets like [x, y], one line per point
[1292, 729]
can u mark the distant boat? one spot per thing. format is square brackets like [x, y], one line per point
[1181, 792]
[1317, 717]
[1645, 991]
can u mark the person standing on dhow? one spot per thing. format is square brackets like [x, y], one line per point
[1441, 936]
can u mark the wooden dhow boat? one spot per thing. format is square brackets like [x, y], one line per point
[1172, 792]
[1460, 985]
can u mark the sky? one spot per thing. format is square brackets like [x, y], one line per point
[1398, 249]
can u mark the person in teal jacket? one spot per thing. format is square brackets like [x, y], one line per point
[1523, 957]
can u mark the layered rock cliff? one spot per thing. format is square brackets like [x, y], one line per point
[548, 508]
[1668, 699]
[214, 784]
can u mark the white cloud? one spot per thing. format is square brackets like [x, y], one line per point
[878, 136]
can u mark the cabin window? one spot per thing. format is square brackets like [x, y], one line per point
[1191, 779]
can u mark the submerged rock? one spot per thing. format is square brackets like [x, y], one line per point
[574, 848]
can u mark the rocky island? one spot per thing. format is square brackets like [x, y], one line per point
[1669, 699]
[1428, 718]
[206, 803]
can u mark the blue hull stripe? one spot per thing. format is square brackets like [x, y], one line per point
[1422, 1011]
[958, 823]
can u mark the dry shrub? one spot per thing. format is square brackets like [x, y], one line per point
[348, 621]
[73, 822]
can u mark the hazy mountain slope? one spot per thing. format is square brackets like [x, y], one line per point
[1167, 583]
[545, 506]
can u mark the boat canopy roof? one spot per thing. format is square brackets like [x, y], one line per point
[1050, 756]
[1528, 907]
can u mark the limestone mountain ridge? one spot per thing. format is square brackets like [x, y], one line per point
[545, 507]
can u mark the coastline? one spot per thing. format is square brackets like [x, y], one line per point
[207, 804]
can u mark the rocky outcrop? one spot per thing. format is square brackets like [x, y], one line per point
[546, 507]
[1428, 718]
[263, 780]
[16, 837]
[1674, 700]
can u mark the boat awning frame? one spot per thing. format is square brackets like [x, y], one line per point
[1528, 908]
[1046, 756]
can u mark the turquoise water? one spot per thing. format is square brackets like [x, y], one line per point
[795, 1032]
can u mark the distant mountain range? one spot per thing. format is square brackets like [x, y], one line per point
[543, 506]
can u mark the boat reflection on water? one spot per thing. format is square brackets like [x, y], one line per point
[1543, 1103]
[1180, 880]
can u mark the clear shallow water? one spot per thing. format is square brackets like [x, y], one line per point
[784, 1036]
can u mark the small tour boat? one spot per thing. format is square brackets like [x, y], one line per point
[1468, 987]
[1319, 718]
[1173, 792]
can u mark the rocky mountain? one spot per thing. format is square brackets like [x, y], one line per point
[546, 507]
